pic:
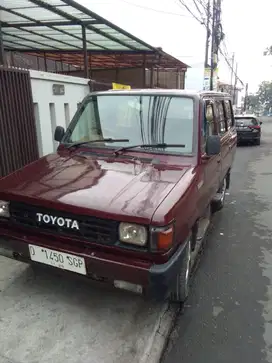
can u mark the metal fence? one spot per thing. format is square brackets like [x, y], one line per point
[18, 140]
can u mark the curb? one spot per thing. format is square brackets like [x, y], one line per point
[158, 340]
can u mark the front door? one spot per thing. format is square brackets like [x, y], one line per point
[231, 131]
[210, 168]
[222, 130]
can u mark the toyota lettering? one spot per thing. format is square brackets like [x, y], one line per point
[59, 221]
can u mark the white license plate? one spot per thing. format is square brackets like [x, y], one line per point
[57, 259]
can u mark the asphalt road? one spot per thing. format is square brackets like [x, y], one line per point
[228, 317]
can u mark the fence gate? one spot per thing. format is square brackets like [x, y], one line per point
[18, 140]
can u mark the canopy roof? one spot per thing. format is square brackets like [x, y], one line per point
[67, 31]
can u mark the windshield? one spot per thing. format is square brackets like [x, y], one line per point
[142, 119]
[246, 121]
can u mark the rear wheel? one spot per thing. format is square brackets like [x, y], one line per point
[258, 142]
[181, 287]
[219, 200]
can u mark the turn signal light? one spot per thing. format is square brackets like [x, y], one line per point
[165, 239]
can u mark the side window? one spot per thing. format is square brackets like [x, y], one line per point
[208, 124]
[229, 114]
[88, 128]
[179, 116]
[221, 118]
[210, 119]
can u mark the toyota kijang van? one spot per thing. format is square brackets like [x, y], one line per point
[127, 198]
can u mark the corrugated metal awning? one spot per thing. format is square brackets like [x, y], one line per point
[66, 28]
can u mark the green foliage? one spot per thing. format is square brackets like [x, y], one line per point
[253, 102]
[268, 51]
[262, 100]
[265, 95]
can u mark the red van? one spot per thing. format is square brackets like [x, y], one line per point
[128, 196]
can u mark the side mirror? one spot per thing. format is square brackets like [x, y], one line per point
[213, 145]
[59, 133]
[261, 122]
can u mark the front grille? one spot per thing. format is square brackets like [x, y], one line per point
[91, 229]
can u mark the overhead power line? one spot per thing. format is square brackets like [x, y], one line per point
[155, 10]
[197, 7]
[230, 66]
[182, 2]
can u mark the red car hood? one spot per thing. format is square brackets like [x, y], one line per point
[111, 188]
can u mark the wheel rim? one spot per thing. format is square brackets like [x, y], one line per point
[188, 267]
[223, 192]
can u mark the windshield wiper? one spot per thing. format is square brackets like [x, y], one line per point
[143, 146]
[109, 140]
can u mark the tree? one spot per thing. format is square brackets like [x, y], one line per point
[262, 100]
[253, 103]
[264, 95]
[268, 51]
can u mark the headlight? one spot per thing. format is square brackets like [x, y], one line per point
[4, 209]
[132, 233]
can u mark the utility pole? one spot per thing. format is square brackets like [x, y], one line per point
[217, 37]
[246, 96]
[208, 34]
[212, 46]
[231, 76]
[235, 84]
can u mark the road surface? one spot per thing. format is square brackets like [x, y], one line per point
[228, 317]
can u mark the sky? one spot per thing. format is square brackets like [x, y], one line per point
[167, 24]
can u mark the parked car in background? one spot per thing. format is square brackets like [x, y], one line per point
[128, 196]
[248, 129]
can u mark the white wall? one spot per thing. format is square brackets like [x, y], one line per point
[54, 110]
[195, 77]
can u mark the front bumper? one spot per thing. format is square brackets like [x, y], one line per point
[155, 279]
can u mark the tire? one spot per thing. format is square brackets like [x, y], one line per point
[219, 203]
[181, 288]
[258, 142]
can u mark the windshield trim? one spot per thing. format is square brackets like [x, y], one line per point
[89, 98]
[132, 150]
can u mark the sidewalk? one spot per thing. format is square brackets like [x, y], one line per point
[46, 317]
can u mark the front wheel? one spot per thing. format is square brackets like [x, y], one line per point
[181, 288]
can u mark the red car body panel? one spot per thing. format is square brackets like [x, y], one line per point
[110, 187]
